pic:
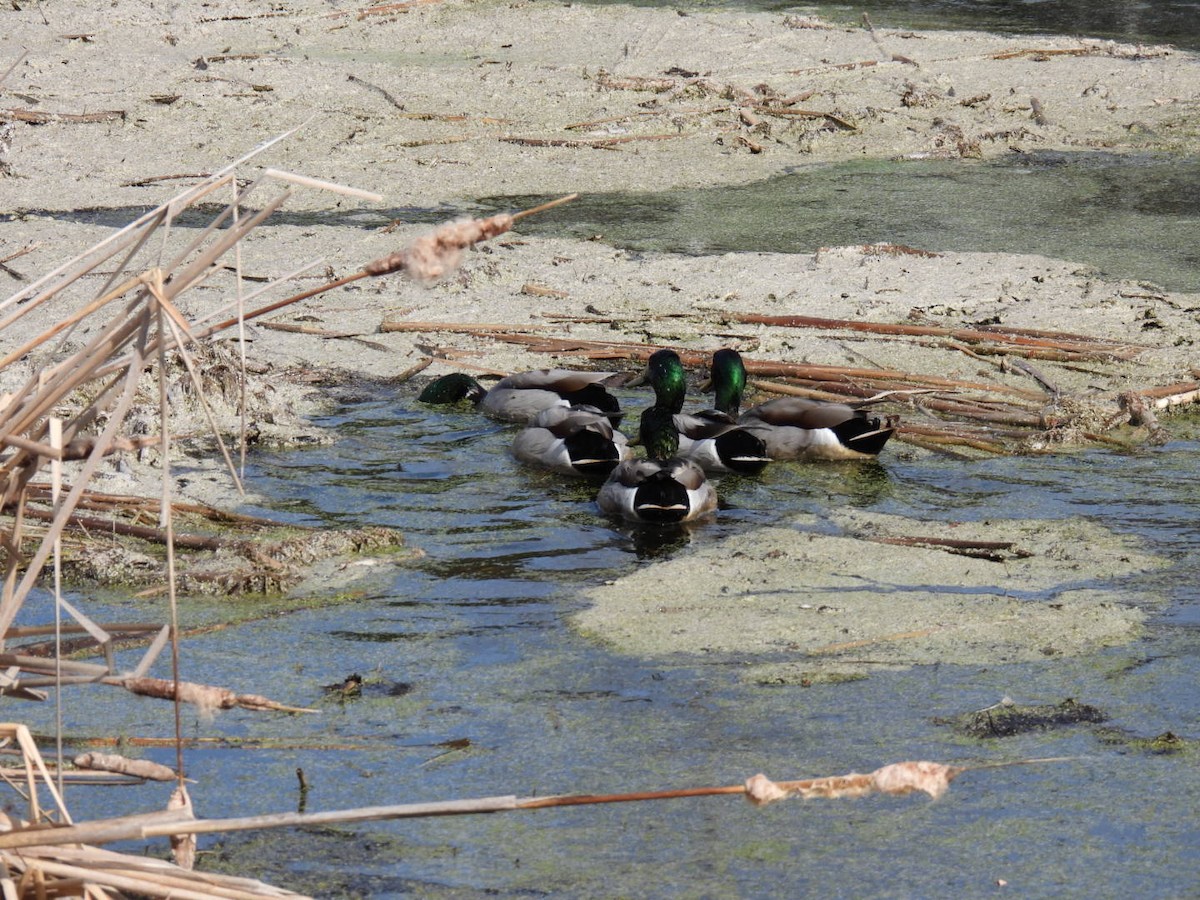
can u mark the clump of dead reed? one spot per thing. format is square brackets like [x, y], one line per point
[72, 412]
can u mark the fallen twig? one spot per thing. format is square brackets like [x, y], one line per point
[154, 179]
[788, 112]
[377, 89]
[1040, 54]
[994, 551]
[389, 8]
[588, 143]
[34, 117]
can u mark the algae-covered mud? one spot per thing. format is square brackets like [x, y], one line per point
[794, 604]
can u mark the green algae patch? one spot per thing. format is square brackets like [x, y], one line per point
[1166, 744]
[797, 606]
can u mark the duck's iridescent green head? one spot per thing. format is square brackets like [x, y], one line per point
[665, 373]
[659, 435]
[452, 388]
[728, 376]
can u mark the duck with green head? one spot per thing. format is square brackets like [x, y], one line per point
[663, 489]
[520, 397]
[573, 440]
[795, 427]
[712, 438]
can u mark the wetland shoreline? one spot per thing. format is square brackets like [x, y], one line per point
[437, 105]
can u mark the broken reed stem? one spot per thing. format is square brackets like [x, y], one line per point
[445, 240]
[144, 532]
[636, 796]
[516, 217]
[897, 779]
[1076, 345]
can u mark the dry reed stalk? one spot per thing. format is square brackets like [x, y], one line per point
[92, 524]
[34, 117]
[428, 257]
[1084, 347]
[390, 8]
[35, 773]
[1039, 54]
[128, 502]
[941, 444]
[136, 232]
[74, 776]
[114, 628]
[892, 380]
[116, 355]
[13, 598]
[897, 779]
[159, 875]
[1172, 394]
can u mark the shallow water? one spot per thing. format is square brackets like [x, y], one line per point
[472, 643]
[1127, 216]
[1135, 21]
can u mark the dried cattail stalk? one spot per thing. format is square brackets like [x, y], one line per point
[897, 779]
[183, 846]
[114, 762]
[434, 255]
[207, 698]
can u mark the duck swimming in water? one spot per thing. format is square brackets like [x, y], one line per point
[573, 440]
[711, 438]
[795, 427]
[520, 397]
[662, 490]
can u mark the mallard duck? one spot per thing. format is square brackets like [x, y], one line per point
[664, 489]
[794, 427]
[712, 438]
[574, 440]
[520, 397]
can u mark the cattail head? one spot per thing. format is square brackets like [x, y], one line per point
[437, 254]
